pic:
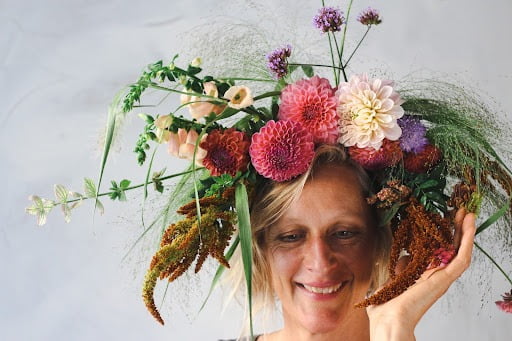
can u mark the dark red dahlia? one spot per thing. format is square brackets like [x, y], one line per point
[423, 161]
[227, 151]
[389, 154]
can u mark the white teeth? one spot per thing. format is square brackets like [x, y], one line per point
[326, 290]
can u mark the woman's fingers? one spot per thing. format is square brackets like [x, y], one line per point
[459, 218]
[463, 258]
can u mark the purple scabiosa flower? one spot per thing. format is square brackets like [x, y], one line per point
[369, 16]
[277, 61]
[329, 19]
[413, 134]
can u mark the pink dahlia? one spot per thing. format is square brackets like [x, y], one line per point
[389, 154]
[226, 152]
[506, 304]
[282, 150]
[312, 103]
[368, 111]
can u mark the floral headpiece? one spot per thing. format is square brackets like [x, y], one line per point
[427, 152]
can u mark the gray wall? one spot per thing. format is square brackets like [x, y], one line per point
[62, 62]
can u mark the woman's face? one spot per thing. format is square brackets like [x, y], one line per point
[321, 252]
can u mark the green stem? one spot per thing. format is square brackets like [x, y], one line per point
[494, 262]
[343, 39]
[158, 87]
[133, 187]
[340, 53]
[267, 94]
[332, 58]
[358, 44]
[318, 65]
[245, 79]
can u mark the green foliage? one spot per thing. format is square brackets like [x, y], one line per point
[215, 185]
[428, 188]
[118, 191]
[245, 233]
[157, 180]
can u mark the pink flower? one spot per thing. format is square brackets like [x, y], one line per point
[282, 150]
[183, 143]
[368, 111]
[506, 304]
[312, 103]
[442, 257]
[389, 154]
[226, 152]
[200, 106]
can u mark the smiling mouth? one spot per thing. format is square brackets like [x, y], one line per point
[323, 290]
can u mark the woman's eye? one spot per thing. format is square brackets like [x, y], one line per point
[344, 234]
[291, 237]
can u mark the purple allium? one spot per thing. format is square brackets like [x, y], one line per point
[413, 137]
[369, 16]
[277, 61]
[329, 19]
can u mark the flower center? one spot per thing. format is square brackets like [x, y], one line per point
[311, 111]
[280, 156]
[221, 158]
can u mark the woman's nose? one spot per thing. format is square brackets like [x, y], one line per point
[318, 255]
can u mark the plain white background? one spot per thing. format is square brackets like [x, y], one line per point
[61, 64]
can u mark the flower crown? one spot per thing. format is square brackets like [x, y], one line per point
[427, 153]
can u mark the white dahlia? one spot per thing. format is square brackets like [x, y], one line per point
[368, 111]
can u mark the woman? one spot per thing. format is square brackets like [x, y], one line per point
[319, 250]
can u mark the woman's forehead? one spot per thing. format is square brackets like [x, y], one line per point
[333, 191]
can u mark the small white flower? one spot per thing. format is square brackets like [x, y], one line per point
[239, 97]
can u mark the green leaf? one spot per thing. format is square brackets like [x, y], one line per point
[114, 111]
[308, 70]
[40, 208]
[89, 188]
[389, 214]
[66, 211]
[61, 193]
[492, 219]
[244, 224]
[125, 183]
[78, 196]
[147, 118]
[428, 184]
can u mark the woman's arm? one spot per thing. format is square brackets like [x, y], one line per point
[396, 319]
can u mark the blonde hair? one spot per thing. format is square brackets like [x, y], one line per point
[270, 202]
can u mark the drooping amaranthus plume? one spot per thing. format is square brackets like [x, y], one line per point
[189, 240]
[421, 234]
[394, 193]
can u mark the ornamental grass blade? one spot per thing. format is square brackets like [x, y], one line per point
[244, 224]
[114, 110]
[220, 270]
[492, 219]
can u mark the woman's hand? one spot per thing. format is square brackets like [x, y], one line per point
[396, 319]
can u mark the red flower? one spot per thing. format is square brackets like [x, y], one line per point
[282, 150]
[226, 152]
[389, 154]
[423, 161]
[312, 103]
[506, 304]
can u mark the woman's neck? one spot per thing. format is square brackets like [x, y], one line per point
[355, 328]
